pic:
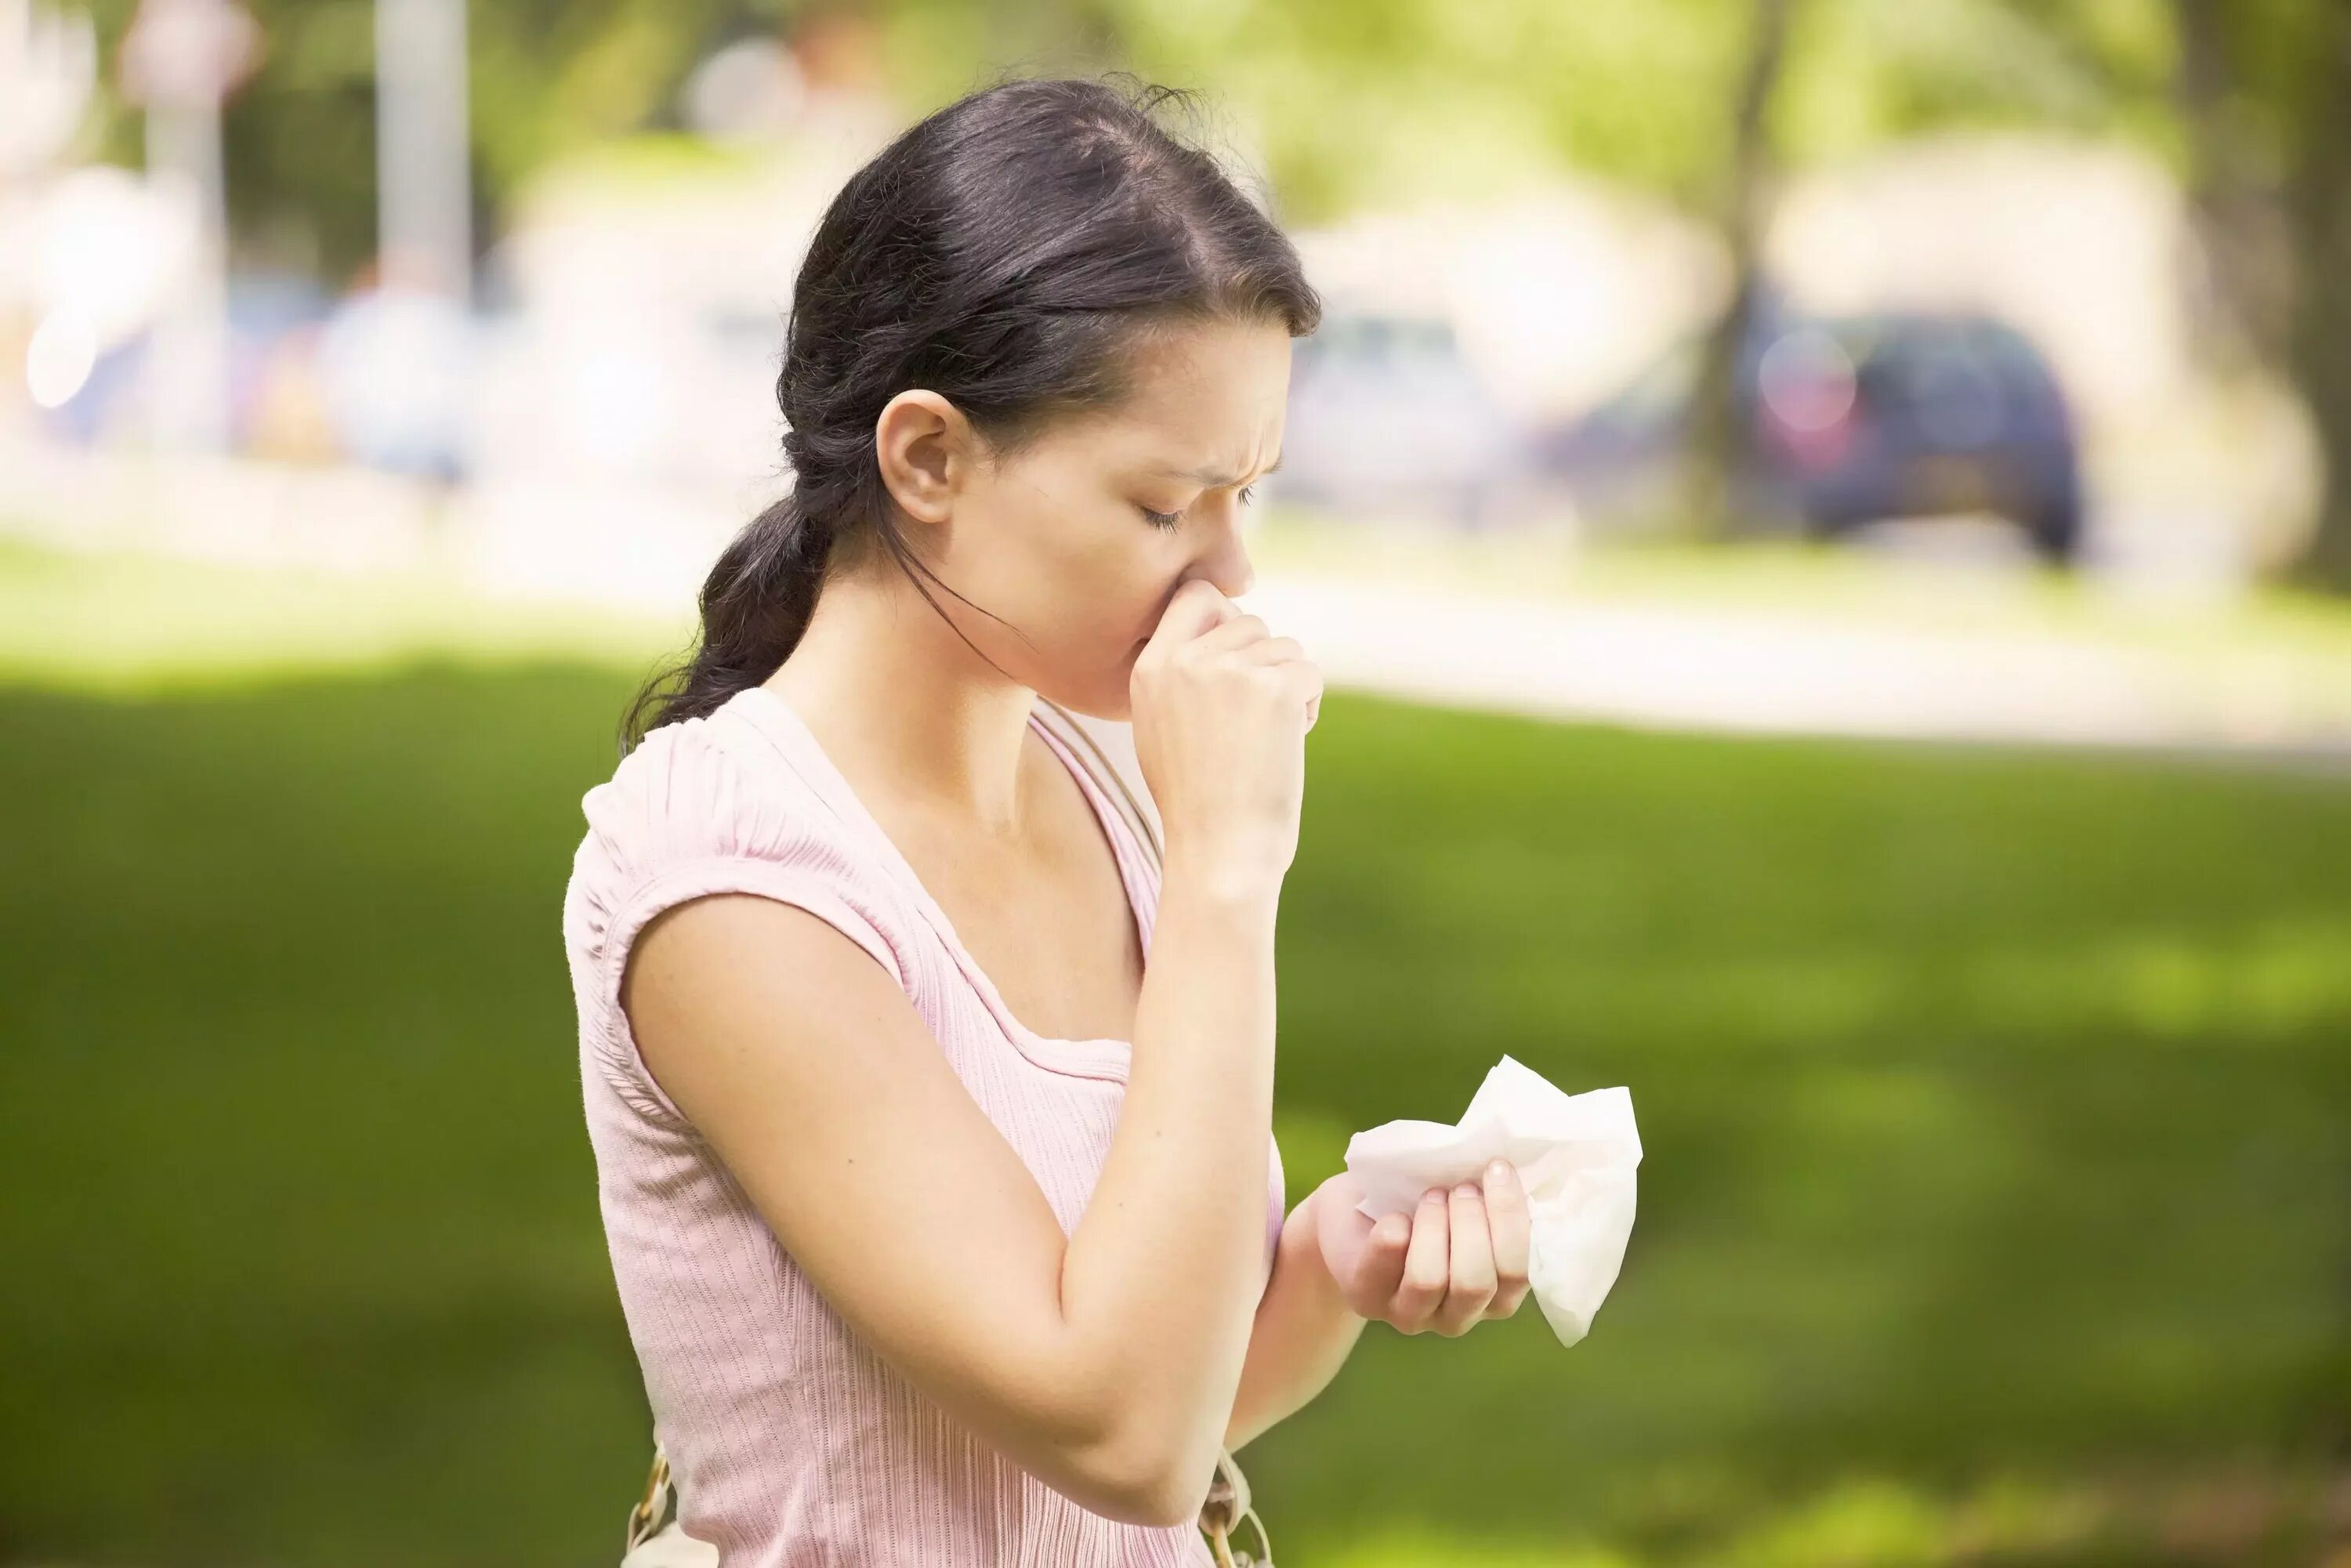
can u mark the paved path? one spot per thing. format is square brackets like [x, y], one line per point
[1663, 664]
[1709, 667]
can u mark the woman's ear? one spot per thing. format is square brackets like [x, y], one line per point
[923, 446]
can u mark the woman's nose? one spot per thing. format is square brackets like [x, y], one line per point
[1229, 567]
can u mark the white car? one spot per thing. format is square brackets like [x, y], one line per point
[1387, 415]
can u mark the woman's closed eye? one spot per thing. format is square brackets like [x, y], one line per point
[1169, 519]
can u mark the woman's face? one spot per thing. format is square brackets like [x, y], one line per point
[1060, 540]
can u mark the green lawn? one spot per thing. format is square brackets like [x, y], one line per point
[1996, 1208]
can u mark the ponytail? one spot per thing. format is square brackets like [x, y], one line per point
[755, 605]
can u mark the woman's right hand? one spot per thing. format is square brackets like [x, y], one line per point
[1221, 709]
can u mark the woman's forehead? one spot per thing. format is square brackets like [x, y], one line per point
[1207, 406]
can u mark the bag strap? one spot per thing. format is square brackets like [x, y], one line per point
[653, 1508]
[1227, 1505]
[1106, 750]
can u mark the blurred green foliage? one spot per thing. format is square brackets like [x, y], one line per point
[1345, 101]
[1995, 1110]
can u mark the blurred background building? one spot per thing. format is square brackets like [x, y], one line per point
[2057, 269]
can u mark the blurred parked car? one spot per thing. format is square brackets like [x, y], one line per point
[271, 325]
[1387, 415]
[276, 406]
[397, 365]
[1851, 419]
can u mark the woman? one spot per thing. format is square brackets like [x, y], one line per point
[945, 1231]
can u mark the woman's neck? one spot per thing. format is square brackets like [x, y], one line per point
[901, 704]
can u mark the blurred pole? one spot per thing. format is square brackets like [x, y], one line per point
[180, 59]
[48, 68]
[424, 183]
[190, 377]
[49, 65]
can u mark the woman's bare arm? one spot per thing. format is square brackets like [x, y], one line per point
[1304, 1331]
[1105, 1363]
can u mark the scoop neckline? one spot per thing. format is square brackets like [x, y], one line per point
[1102, 1057]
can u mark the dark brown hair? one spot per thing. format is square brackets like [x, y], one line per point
[1010, 251]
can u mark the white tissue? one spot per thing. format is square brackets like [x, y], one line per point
[1575, 1154]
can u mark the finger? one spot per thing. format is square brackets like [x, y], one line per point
[1196, 606]
[1307, 687]
[1425, 1267]
[1238, 632]
[1510, 1226]
[1275, 649]
[1379, 1268]
[1471, 1284]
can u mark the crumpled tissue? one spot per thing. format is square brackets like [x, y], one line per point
[1576, 1156]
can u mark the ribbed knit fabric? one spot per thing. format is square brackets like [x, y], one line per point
[791, 1440]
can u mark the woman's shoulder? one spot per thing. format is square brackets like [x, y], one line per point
[703, 799]
[699, 785]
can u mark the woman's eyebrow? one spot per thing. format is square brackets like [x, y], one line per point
[1210, 477]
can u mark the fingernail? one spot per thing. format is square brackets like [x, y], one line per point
[1466, 1189]
[1499, 1171]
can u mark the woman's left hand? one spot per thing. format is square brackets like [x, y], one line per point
[1458, 1259]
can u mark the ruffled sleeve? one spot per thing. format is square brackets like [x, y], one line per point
[684, 816]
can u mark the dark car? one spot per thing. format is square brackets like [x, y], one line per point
[1851, 419]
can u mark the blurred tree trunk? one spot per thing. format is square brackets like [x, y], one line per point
[2243, 299]
[2319, 198]
[1716, 441]
[2274, 231]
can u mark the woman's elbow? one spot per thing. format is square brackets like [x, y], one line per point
[1139, 1479]
[1158, 1495]
[1094, 1438]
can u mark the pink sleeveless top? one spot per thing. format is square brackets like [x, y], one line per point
[791, 1440]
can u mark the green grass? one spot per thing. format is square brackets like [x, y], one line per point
[1995, 1107]
[126, 623]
